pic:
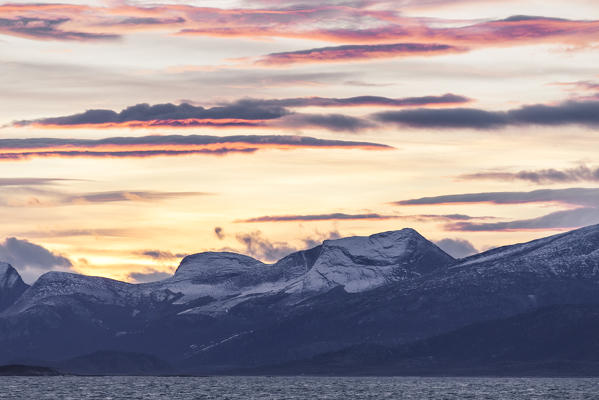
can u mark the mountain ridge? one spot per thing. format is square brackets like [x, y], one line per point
[222, 311]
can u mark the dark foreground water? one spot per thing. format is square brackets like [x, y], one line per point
[247, 388]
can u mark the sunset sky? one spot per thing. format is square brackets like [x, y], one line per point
[133, 133]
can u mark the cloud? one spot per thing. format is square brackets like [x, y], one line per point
[318, 217]
[332, 122]
[572, 112]
[356, 53]
[173, 145]
[148, 276]
[541, 176]
[566, 219]
[357, 101]
[355, 217]
[23, 254]
[47, 29]
[121, 233]
[318, 237]
[263, 249]
[348, 22]
[242, 113]
[144, 115]
[219, 232]
[457, 248]
[30, 181]
[161, 255]
[36, 197]
[117, 196]
[259, 247]
[571, 196]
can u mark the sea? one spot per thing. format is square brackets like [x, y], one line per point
[274, 388]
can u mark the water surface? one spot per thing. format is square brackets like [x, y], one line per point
[274, 388]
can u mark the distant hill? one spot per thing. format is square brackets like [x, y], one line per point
[558, 340]
[115, 363]
[27, 370]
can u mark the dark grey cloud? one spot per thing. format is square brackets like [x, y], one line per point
[457, 248]
[447, 98]
[150, 276]
[575, 218]
[24, 254]
[584, 113]
[245, 112]
[219, 232]
[541, 176]
[571, 196]
[162, 255]
[318, 217]
[170, 114]
[332, 122]
[47, 29]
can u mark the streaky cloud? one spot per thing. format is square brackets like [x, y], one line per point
[120, 196]
[565, 219]
[570, 196]
[169, 145]
[168, 114]
[48, 29]
[318, 217]
[584, 113]
[241, 113]
[30, 181]
[356, 53]
[541, 176]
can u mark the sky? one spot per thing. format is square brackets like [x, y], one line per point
[133, 133]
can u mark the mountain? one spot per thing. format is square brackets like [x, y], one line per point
[224, 311]
[115, 363]
[557, 340]
[11, 286]
[27, 370]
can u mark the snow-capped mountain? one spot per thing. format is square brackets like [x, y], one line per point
[225, 310]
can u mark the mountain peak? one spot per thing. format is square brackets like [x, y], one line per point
[361, 263]
[214, 264]
[9, 277]
[11, 285]
[391, 247]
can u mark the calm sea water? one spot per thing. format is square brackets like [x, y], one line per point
[248, 388]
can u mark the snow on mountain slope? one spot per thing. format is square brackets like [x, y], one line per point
[217, 275]
[363, 263]
[573, 254]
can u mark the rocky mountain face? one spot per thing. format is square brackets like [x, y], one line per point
[225, 311]
[11, 286]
